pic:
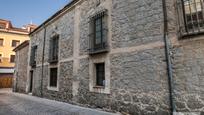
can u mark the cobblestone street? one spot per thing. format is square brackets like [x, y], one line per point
[20, 104]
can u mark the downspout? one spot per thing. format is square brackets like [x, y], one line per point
[168, 58]
[43, 53]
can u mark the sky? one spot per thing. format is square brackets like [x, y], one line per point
[22, 12]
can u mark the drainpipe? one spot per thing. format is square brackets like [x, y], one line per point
[43, 61]
[168, 58]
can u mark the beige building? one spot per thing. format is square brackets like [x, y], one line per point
[10, 37]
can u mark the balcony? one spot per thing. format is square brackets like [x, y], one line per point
[190, 17]
[53, 59]
[102, 43]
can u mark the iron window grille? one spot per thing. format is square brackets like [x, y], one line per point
[190, 16]
[33, 56]
[98, 33]
[53, 77]
[100, 74]
[53, 51]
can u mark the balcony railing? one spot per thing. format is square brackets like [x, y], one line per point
[190, 16]
[101, 47]
[53, 58]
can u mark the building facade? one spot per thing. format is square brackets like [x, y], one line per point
[21, 65]
[10, 37]
[135, 56]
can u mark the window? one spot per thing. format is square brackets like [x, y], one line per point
[33, 56]
[193, 18]
[1, 58]
[2, 26]
[1, 41]
[53, 77]
[100, 74]
[12, 58]
[98, 33]
[53, 53]
[15, 43]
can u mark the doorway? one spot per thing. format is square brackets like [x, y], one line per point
[31, 82]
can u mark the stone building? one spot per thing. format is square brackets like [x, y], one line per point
[21, 64]
[132, 56]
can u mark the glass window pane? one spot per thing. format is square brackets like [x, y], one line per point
[100, 74]
[53, 77]
[98, 38]
[12, 58]
[98, 27]
[1, 42]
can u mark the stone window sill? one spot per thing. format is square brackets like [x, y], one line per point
[191, 35]
[53, 88]
[100, 89]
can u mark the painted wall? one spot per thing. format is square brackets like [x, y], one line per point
[6, 50]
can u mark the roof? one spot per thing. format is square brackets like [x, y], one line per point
[55, 15]
[8, 28]
[21, 46]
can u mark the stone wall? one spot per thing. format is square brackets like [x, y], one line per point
[139, 23]
[188, 75]
[187, 59]
[20, 75]
[135, 64]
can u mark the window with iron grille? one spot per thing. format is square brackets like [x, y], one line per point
[53, 77]
[33, 56]
[98, 33]
[100, 74]
[12, 58]
[191, 16]
[1, 41]
[15, 43]
[53, 53]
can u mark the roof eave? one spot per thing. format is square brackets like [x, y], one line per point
[54, 15]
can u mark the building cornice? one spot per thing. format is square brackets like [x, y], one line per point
[14, 32]
[57, 14]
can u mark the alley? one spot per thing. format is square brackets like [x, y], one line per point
[20, 104]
